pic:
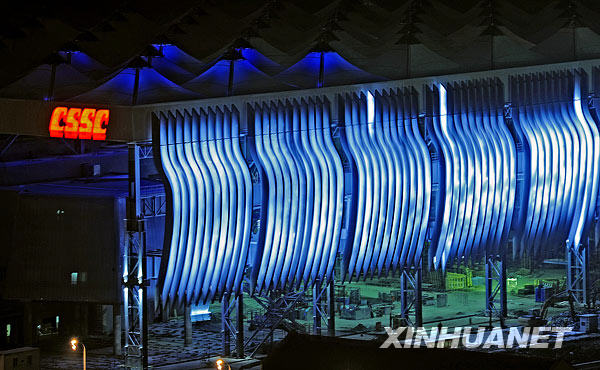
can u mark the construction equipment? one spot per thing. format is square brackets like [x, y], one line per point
[538, 317]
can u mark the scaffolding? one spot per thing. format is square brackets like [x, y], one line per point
[135, 296]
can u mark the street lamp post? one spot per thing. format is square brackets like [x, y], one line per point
[74, 343]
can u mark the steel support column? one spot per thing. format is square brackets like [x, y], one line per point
[411, 295]
[331, 309]
[187, 324]
[230, 329]
[577, 272]
[320, 315]
[317, 307]
[226, 325]
[117, 332]
[134, 271]
[240, 327]
[495, 285]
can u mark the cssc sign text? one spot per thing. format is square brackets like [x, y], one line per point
[79, 123]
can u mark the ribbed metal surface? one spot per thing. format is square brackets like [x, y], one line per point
[304, 197]
[479, 159]
[560, 139]
[460, 181]
[393, 175]
[211, 204]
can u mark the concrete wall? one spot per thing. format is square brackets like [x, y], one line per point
[60, 248]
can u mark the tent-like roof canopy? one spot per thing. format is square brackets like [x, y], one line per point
[87, 51]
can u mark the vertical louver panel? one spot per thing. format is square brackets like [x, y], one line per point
[479, 181]
[211, 203]
[393, 188]
[304, 196]
[463, 180]
[561, 150]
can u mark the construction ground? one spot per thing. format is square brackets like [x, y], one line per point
[363, 309]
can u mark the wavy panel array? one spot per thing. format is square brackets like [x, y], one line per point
[460, 185]
[391, 170]
[211, 205]
[479, 181]
[562, 149]
[303, 196]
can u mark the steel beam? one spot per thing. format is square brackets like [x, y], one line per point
[134, 271]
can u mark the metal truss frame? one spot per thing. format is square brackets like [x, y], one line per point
[321, 315]
[411, 293]
[134, 280]
[495, 285]
[230, 329]
[277, 306]
[578, 272]
[153, 206]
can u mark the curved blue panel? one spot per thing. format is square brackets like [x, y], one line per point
[479, 162]
[245, 213]
[176, 155]
[211, 201]
[290, 209]
[592, 164]
[382, 126]
[336, 210]
[205, 142]
[533, 177]
[563, 161]
[297, 163]
[205, 203]
[166, 133]
[311, 198]
[306, 189]
[426, 175]
[393, 192]
[262, 130]
[194, 180]
[358, 203]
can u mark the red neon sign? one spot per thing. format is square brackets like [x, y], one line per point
[79, 123]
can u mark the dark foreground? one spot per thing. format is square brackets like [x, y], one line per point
[298, 351]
